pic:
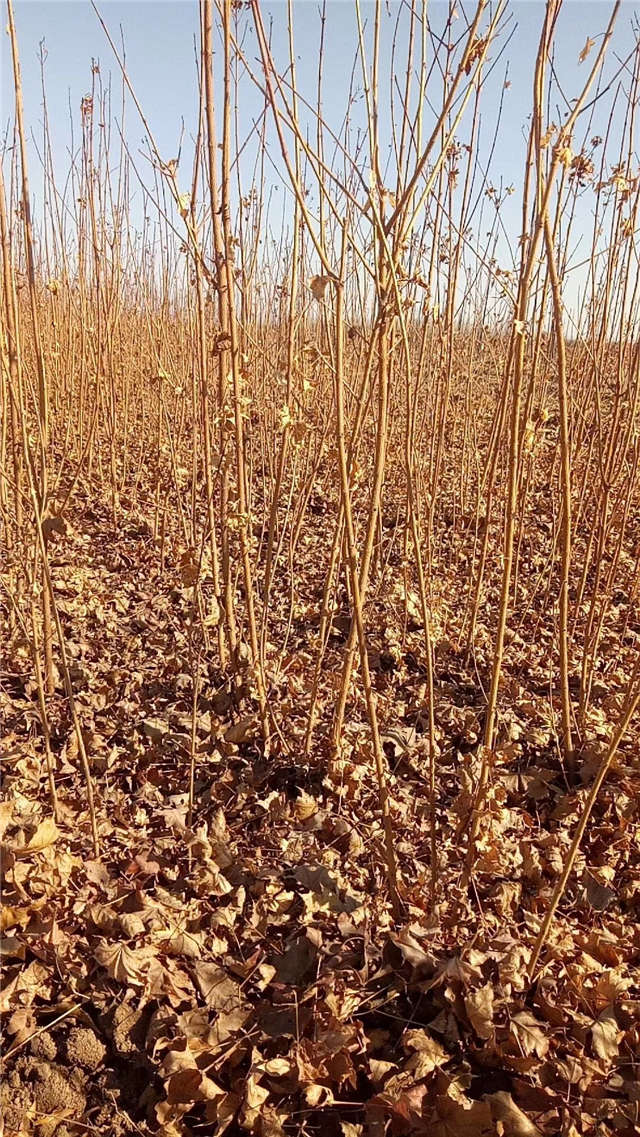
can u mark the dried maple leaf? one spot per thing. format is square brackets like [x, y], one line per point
[123, 963]
[513, 1121]
[479, 1008]
[454, 1115]
[529, 1034]
[255, 1097]
[605, 1035]
[219, 992]
[318, 1096]
[46, 834]
[428, 1053]
[6, 813]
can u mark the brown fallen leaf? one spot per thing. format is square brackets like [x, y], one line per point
[514, 1122]
[479, 1008]
[605, 1035]
[305, 806]
[123, 963]
[45, 835]
[219, 992]
[351, 1130]
[318, 1096]
[6, 813]
[529, 1033]
[428, 1053]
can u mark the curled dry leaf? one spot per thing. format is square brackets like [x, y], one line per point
[52, 525]
[278, 1067]
[305, 806]
[318, 286]
[318, 1096]
[586, 49]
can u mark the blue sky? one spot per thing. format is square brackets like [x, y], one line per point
[160, 34]
[160, 42]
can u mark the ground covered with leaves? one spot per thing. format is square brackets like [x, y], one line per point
[244, 974]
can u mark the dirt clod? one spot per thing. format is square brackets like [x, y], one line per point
[43, 1046]
[53, 1092]
[14, 1103]
[85, 1049]
[128, 1030]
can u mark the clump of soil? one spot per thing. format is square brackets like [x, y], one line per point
[54, 1092]
[40, 1088]
[15, 1100]
[85, 1049]
[128, 1031]
[43, 1046]
[71, 1070]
